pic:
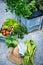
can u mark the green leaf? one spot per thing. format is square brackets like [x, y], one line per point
[23, 8]
[29, 55]
[0, 31]
[11, 41]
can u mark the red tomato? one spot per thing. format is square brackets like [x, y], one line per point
[7, 32]
[3, 34]
[3, 30]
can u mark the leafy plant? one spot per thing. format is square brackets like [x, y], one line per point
[23, 8]
[12, 26]
[40, 2]
[29, 55]
[11, 41]
[10, 23]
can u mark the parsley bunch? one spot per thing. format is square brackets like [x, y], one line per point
[23, 8]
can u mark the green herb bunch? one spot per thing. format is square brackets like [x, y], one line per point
[17, 29]
[23, 8]
[29, 55]
[11, 41]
